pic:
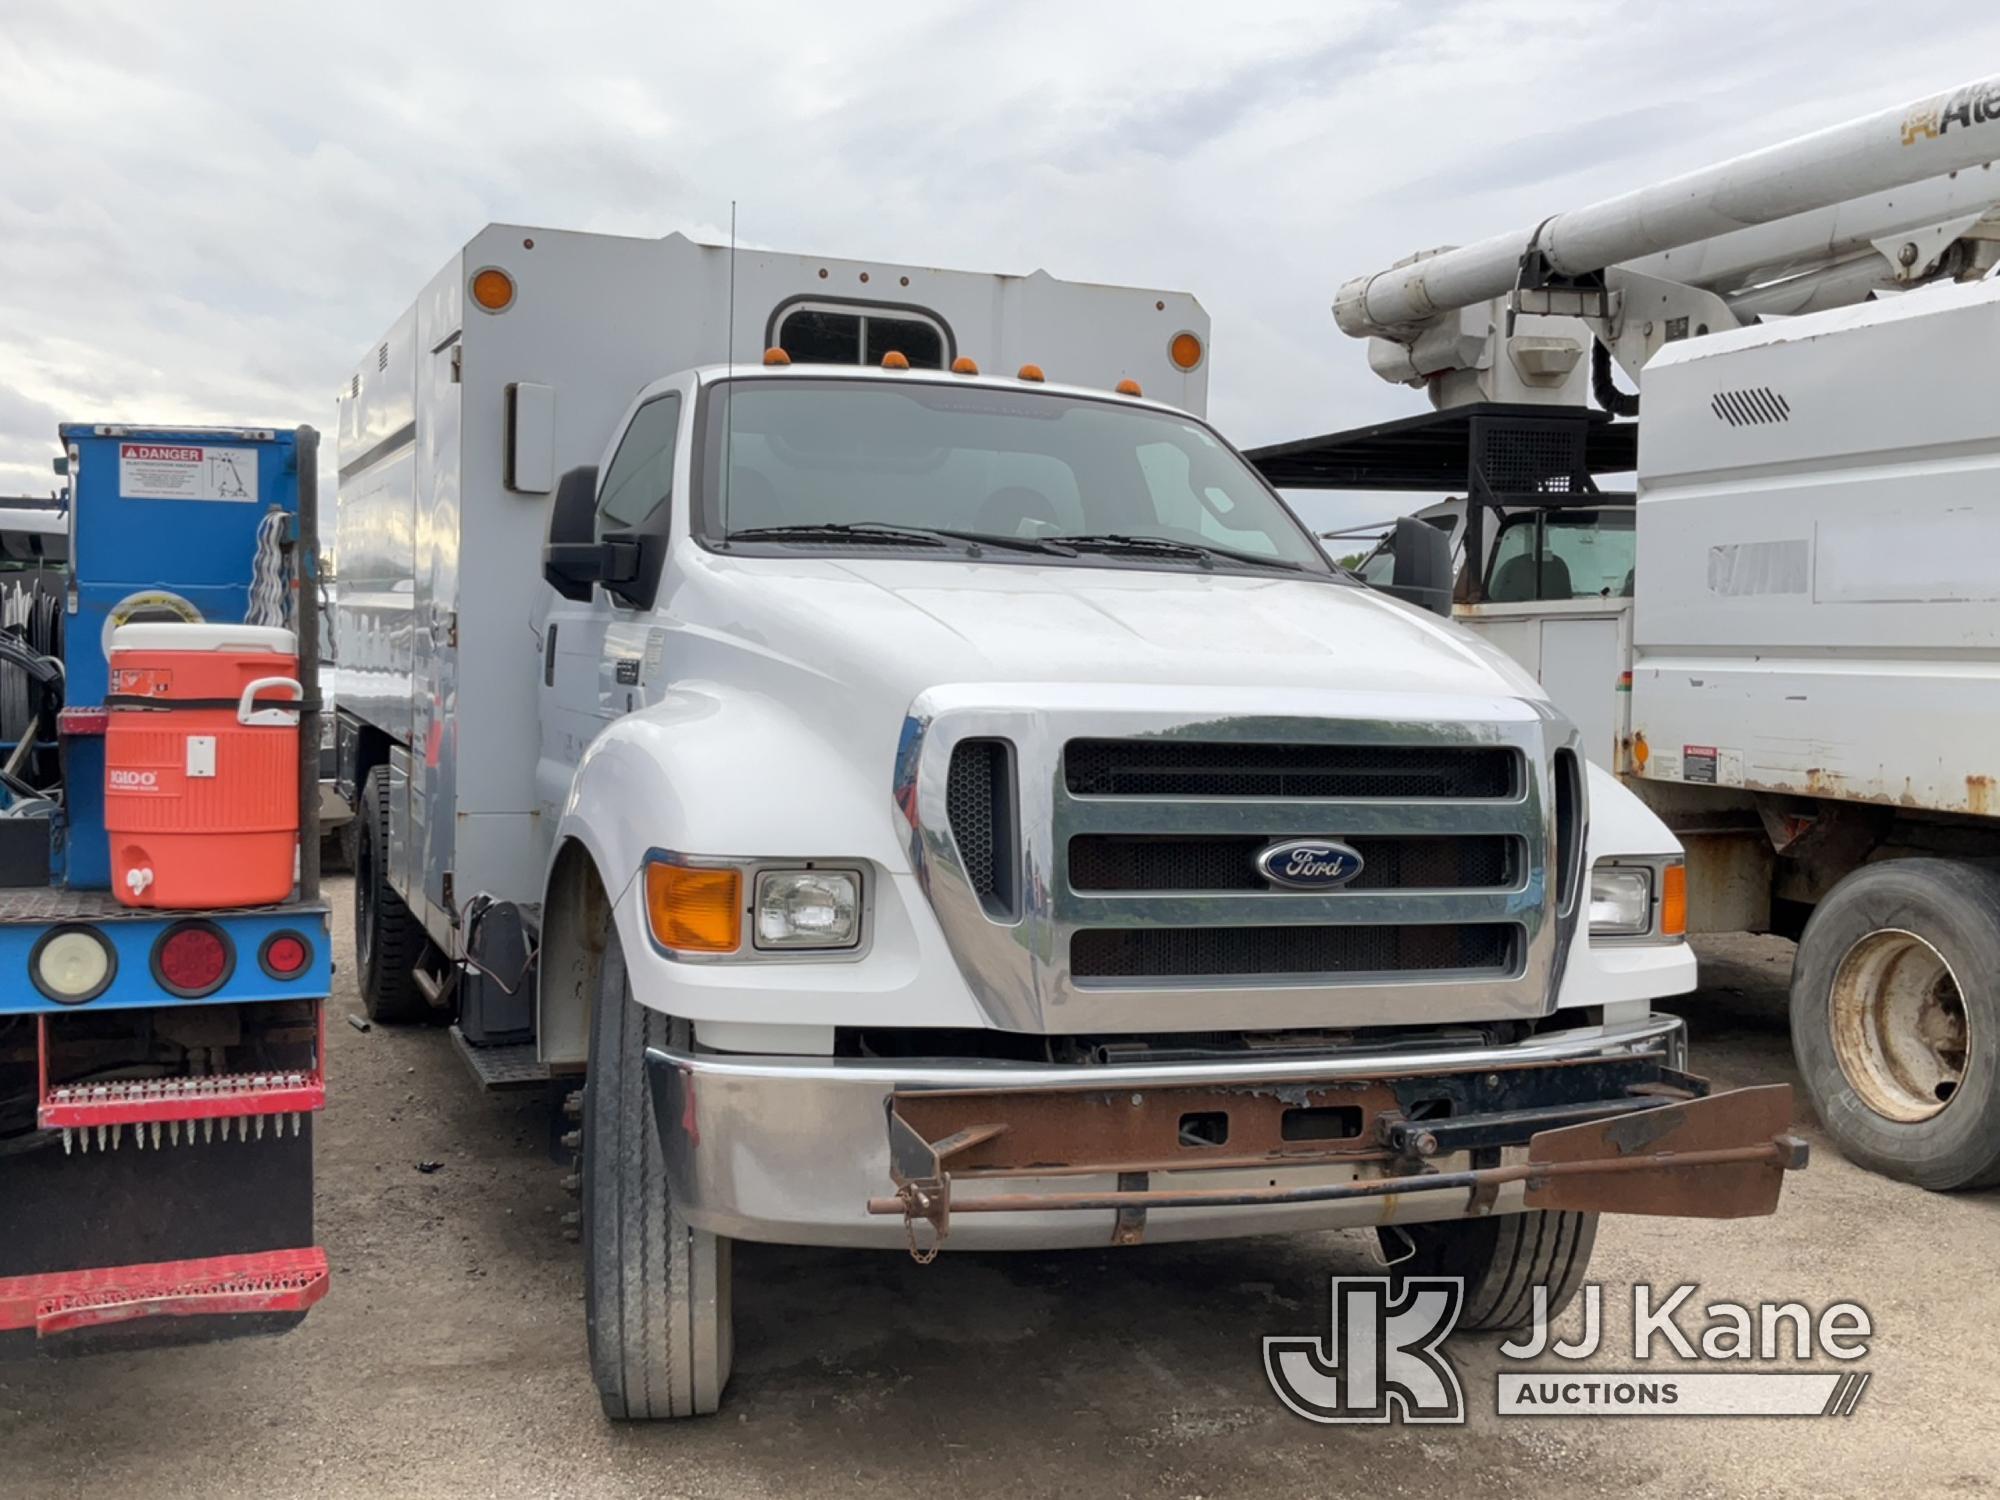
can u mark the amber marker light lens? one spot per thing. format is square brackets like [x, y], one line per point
[493, 289]
[694, 910]
[1674, 902]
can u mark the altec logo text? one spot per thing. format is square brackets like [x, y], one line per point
[159, 453]
[1961, 110]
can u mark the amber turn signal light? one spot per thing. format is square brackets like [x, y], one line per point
[694, 910]
[1674, 901]
[1185, 351]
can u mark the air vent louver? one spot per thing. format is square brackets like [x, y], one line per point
[979, 804]
[1752, 406]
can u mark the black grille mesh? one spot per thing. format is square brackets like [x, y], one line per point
[1214, 952]
[1180, 768]
[1520, 456]
[1139, 862]
[979, 805]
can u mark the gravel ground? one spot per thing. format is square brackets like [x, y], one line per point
[449, 1358]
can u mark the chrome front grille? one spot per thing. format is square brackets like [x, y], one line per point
[1210, 768]
[1485, 949]
[1228, 862]
[1142, 908]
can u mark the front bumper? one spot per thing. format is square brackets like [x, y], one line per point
[1019, 1156]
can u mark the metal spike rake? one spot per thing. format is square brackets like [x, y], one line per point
[151, 1135]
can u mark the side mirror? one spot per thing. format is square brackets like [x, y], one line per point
[1423, 566]
[574, 566]
[572, 531]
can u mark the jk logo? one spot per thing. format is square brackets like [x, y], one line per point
[1381, 1360]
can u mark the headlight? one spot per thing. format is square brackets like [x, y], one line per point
[808, 909]
[1621, 900]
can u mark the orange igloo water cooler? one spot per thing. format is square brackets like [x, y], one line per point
[201, 794]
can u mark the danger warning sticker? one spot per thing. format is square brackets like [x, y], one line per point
[177, 471]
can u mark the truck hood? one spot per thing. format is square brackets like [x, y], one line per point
[875, 626]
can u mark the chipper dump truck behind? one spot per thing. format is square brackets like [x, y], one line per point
[165, 951]
[1785, 641]
[862, 725]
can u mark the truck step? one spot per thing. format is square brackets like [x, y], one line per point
[510, 1067]
[60, 1301]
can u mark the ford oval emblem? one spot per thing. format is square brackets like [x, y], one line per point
[1309, 864]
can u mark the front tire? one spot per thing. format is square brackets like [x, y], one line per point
[656, 1290]
[1896, 1020]
[1502, 1259]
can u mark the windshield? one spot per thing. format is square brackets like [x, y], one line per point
[967, 462]
[1563, 554]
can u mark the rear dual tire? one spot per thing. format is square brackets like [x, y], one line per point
[1895, 1011]
[389, 941]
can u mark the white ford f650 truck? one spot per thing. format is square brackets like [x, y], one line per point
[922, 803]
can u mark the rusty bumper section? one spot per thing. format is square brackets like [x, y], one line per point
[1625, 1135]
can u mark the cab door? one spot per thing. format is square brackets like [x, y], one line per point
[600, 655]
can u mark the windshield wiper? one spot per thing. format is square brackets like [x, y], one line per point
[1202, 552]
[883, 531]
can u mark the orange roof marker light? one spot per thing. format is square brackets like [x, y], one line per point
[895, 361]
[1128, 387]
[964, 365]
[776, 356]
[493, 289]
[1030, 372]
[1185, 350]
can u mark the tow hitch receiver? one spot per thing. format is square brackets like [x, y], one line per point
[1662, 1148]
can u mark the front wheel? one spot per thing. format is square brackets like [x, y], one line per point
[1896, 1020]
[1502, 1259]
[656, 1290]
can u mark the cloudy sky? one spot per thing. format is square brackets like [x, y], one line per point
[208, 209]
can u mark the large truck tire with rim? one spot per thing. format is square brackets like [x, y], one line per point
[1502, 1259]
[656, 1290]
[1896, 1020]
[389, 941]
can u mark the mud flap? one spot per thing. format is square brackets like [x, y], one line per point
[132, 1206]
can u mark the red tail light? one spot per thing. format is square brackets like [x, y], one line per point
[192, 959]
[285, 955]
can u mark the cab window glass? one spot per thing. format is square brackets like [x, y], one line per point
[859, 336]
[641, 478]
[1579, 554]
[1202, 504]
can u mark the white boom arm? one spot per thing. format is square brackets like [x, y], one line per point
[1929, 138]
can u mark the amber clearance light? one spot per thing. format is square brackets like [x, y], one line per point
[693, 910]
[493, 289]
[1185, 351]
